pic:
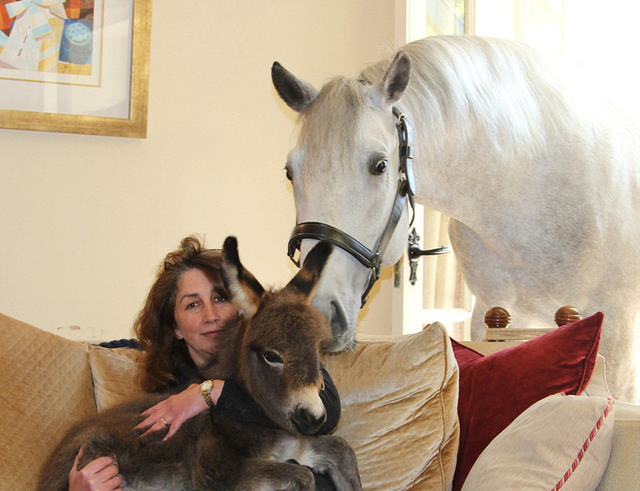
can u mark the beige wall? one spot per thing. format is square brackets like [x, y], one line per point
[85, 220]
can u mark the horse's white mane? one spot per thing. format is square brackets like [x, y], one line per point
[465, 87]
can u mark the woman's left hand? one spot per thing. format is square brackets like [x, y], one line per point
[174, 411]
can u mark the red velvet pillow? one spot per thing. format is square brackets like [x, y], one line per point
[496, 389]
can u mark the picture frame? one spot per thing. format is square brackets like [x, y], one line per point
[106, 93]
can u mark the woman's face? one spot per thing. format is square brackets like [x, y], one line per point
[200, 313]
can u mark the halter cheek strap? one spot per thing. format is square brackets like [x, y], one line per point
[405, 149]
[371, 259]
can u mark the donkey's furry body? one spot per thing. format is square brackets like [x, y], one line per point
[273, 352]
[542, 191]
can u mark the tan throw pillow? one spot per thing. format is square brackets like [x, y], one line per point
[45, 388]
[399, 402]
[559, 442]
[115, 375]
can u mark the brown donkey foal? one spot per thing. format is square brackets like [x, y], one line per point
[273, 351]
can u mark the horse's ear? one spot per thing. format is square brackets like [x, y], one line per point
[391, 87]
[306, 280]
[297, 93]
[243, 287]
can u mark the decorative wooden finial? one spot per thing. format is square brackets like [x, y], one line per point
[497, 317]
[566, 315]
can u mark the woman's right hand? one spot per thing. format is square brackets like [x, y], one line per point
[98, 475]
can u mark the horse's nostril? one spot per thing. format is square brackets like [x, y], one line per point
[338, 320]
[306, 422]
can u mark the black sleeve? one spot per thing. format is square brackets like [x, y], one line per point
[240, 407]
[331, 400]
[121, 343]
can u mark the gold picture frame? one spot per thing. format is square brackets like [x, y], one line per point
[133, 124]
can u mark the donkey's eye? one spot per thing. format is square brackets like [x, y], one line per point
[289, 177]
[379, 167]
[272, 358]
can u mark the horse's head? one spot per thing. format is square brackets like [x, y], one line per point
[281, 337]
[346, 173]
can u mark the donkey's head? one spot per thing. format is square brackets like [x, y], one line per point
[280, 339]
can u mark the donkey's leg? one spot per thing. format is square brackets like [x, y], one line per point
[254, 475]
[269, 475]
[332, 455]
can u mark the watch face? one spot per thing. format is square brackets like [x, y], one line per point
[206, 385]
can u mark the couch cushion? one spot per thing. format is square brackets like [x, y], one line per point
[496, 389]
[115, 375]
[399, 399]
[559, 442]
[45, 388]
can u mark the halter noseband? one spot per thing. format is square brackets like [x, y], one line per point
[371, 259]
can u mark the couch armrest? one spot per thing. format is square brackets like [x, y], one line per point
[623, 471]
[34, 421]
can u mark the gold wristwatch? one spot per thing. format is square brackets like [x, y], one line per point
[205, 389]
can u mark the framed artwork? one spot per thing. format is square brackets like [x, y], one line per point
[75, 66]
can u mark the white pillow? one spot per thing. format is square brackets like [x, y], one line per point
[559, 442]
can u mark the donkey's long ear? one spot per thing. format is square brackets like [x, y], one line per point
[297, 93]
[243, 287]
[391, 87]
[306, 280]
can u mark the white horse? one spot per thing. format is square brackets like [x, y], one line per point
[544, 194]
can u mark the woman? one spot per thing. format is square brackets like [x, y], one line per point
[178, 328]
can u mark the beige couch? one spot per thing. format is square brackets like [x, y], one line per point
[399, 405]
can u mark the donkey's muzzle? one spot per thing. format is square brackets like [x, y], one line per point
[306, 422]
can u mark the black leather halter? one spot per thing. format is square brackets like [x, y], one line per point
[369, 258]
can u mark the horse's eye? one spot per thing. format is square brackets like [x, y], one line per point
[289, 174]
[379, 167]
[272, 357]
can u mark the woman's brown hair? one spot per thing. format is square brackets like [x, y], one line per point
[155, 325]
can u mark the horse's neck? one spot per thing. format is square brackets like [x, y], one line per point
[459, 164]
[514, 199]
[475, 127]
